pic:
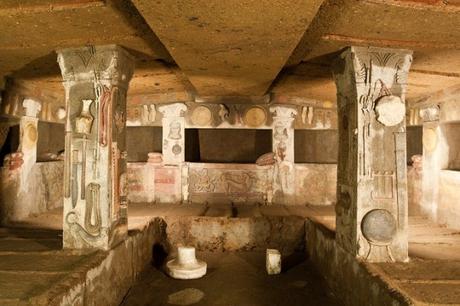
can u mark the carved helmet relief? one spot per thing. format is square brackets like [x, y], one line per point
[174, 130]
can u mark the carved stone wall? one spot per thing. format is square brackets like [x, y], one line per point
[95, 207]
[233, 115]
[229, 183]
[372, 184]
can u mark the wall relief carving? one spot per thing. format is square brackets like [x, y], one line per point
[379, 228]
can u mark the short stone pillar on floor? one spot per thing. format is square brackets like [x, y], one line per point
[186, 266]
[96, 80]
[371, 205]
[283, 147]
[273, 261]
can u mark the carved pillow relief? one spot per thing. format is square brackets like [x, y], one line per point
[390, 110]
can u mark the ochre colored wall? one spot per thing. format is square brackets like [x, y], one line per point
[142, 140]
[51, 138]
[316, 146]
[230, 145]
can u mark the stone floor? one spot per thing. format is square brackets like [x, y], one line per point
[234, 279]
[432, 276]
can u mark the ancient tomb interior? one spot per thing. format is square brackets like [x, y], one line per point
[229, 152]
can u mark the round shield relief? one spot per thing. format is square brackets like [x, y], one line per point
[201, 116]
[379, 226]
[255, 116]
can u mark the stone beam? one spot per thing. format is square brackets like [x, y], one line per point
[96, 80]
[372, 184]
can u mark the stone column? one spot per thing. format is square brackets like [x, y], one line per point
[283, 147]
[96, 80]
[434, 150]
[173, 133]
[168, 179]
[18, 189]
[371, 180]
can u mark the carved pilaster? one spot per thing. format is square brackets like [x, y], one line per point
[372, 185]
[283, 147]
[96, 80]
[173, 133]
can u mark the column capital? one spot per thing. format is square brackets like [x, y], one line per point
[430, 113]
[283, 111]
[109, 64]
[173, 110]
[372, 64]
[32, 107]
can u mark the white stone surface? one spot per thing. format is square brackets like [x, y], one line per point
[390, 110]
[273, 261]
[186, 266]
[32, 107]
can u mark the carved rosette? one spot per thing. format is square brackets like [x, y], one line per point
[96, 80]
[371, 84]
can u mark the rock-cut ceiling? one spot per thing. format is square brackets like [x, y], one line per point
[234, 47]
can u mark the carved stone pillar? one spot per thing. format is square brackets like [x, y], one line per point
[96, 80]
[433, 152]
[173, 133]
[371, 181]
[18, 191]
[283, 147]
[28, 138]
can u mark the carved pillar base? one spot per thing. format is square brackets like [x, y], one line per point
[371, 182]
[95, 206]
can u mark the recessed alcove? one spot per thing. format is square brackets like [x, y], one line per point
[50, 143]
[141, 140]
[316, 146]
[226, 145]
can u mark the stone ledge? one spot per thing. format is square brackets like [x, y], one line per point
[106, 276]
[353, 281]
